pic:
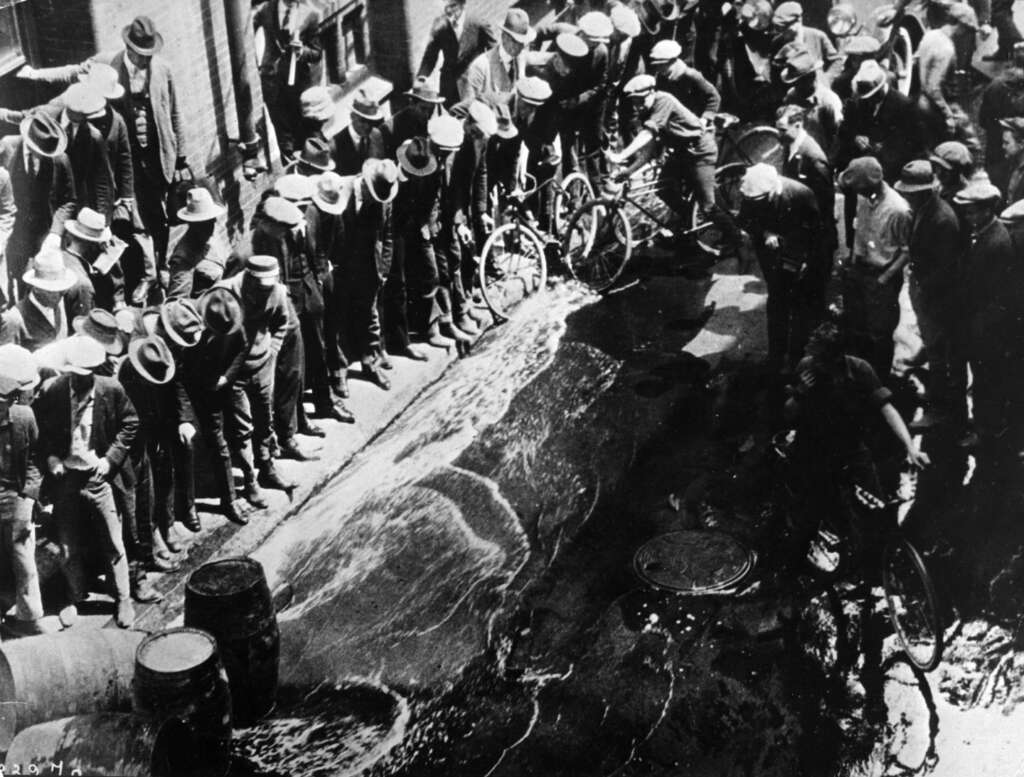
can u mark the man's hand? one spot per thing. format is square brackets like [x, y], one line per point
[28, 72]
[56, 466]
[772, 241]
[985, 30]
[917, 458]
[186, 432]
[103, 468]
[464, 233]
[488, 222]
[222, 382]
[862, 143]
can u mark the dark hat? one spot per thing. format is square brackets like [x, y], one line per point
[264, 268]
[141, 36]
[916, 176]
[381, 179]
[181, 322]
[666, 10]
[978, 193]
[366, 107]
[861, 172]
[43, 135]
[152, 359]
[316, 153]
[101, 326]
[221, 311]
[423, 91]
[1014, 125]
[416, 159]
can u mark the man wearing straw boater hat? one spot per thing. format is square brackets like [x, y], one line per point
[364, 138]
[196, 247]
[86, 245]
[496, 71]
[424, 103]
[43, 189]
[87, 426]
[39, 317]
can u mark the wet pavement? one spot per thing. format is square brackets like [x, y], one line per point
[461, 598]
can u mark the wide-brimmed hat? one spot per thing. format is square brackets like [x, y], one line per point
[141, 36]
[625, 20]
[102, 327]
[507, 128]
[316, 153]
[152, 359]
[423, 91]
[862, 172]
[18, 366]
[870, 78]
[800, 64]
[316, 103]
[517, 26]
[221, 311]
[330, 193]
[282, 211]
[533, 90]
[181, 322]
[664, 51]
[48, 271]
[84, 99]
[295, 187]
[416, 158]
[366, 107]
[82, 355]
[381, 179]
[916, 176]
[88, 225]
[759, 181]
[104, 79]
[1011, 215]
[199, 206]
[446, 132]
[978, 193]
[43, 135]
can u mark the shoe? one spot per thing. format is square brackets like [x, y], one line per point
[449, 330]
[384, 361]
[191, 521]
[158, 564]
[144, 593]
[373, 374]
[20, 628]
[468, 325]
[481, 315]
[269, 478]
[68, 616]
[435, 339]
[411, 352]
[337, 411]
[290, 450]
[339, 385]
[173, 545]
[311, 430]
[235, 512]
[125, 616]
[252, 495]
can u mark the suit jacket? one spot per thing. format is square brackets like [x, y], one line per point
[26, 326]
[935, 247]
[297, 274]
[792, 215]
[991, 286]
[101, 162]
[487, 75]
[404, 125]
[45, 201]
[458, 52]
[369, 240]
[277, 53]
[894, 132]
[348, 159]
[115, 424]
[325, 239]
[23, 453]
[810, 166]
[161, 409]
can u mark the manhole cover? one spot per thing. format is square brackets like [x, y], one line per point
[693, 562]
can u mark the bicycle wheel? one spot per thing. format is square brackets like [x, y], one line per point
[575, 190]
[512, 267]
[913, 605]
[757, 144]
[728, 178]
[597, 244]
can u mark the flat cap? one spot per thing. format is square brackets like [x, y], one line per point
[533, 90]
[861, 172]
[952, 154]
[639, 85]
[1014, 124]
[665, 51]
[571, 45]
[282, 211]
[787, 13]
[976, 193]
[625, 20]
[596, 26]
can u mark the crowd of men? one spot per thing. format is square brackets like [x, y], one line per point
[118, 349]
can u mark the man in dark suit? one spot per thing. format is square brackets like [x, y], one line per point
[87, 425]
[411, 121]
[782, 218]
[458, 39]
[43, 187]
[291, 63]
[364, 138]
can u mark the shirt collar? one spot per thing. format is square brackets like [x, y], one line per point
[504, 56]
[355, 135]
[797, 142]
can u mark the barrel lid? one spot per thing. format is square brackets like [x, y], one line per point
[694, 562]
[176, 650]
[227, 576]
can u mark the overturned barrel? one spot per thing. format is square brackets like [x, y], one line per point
[231, 600]
[58, 675]
[111, 744]
[179, 676]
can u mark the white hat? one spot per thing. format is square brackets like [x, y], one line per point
[626, 21]
[665, 51]
[596, 26]
[82, 355]
[483, 116]
[446, 132]
[639, 85]
[760, 180]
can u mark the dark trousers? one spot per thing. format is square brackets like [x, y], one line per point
[794, 308]
[249, 407]
[872, 313]
[288, 385]
[334, 356]
[136, 510]
[311, 325]
[209, 406]
[285, 108]
[394, 307]
[174, 486]
[147, 244]
[582, 133]
[947, 372]
[358, 291]
[1006, 27]
[419, 266]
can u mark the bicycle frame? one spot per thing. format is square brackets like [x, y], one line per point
[630, 193]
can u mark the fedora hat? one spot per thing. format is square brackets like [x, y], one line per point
[89, 225]
[181, 322]
[102, 327]
[84, 99]
[199, 206]
[366, 107]
[316, 103]
[381, 179]
[295, 187]
[916, 176]
[141, 36]
[483, 117]
[416, 159]
[446, 132]
[423, 91]
[48, 271]
[104, 79]
[82, 355]
[282, 211]
[315, 154]
[152, 359]
[517, 26]
[331, 195]
[43, 135]
[221, 311]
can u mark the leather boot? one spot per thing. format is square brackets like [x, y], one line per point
[450, 330]
[269, 478]
[468, 325]
[252, 495]
[436, 339]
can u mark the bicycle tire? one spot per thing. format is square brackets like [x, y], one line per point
[912, 603]
[728, 198]
[513, 266]
[574, 191]
[755, 145]
[597, 244]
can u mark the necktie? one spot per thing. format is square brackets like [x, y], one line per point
[513, 71]
[364, 147]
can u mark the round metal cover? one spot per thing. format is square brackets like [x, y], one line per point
[693, 562]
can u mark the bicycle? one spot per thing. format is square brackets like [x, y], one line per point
[911, 600]
[514, 259]
[747, 146]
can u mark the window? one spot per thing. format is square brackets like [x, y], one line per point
[353, 36]
[12, 52]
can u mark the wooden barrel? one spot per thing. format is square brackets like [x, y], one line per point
[56, 675]
[178, 675]
[231, 600]
[110, 744]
